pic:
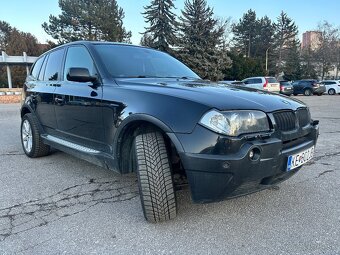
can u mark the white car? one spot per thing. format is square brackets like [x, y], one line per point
[332, 86]
[264, 83]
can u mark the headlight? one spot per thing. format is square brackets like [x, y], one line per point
[234, 123]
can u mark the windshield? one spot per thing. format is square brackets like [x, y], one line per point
[271, 80]
[124, 61]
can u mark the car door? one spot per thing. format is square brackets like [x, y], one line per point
[78, 104]
[295, 85]
[257, 83]
[42, 88]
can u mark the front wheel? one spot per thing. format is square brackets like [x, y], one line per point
[155, 180]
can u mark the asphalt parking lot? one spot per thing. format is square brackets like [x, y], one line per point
[62, 205]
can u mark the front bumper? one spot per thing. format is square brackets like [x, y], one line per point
[319, 90]
[218, 167]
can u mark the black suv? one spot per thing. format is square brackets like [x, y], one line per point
[134, 109]
[308, 88]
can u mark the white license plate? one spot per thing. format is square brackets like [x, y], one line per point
[300, 158]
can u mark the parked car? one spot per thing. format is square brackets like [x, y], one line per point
[332, 86]
[286, 88]
[265, 83]
[308, 87]
[232, 82]
[134, 109]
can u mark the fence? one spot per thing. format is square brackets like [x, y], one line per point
[9, 61]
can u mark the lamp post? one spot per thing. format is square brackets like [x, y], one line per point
[267, 60]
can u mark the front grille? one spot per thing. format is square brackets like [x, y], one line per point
[303, 117]
[285, 121]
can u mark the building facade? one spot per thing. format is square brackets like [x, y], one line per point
[311, 39]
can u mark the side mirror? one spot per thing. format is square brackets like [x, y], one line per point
[79, 74]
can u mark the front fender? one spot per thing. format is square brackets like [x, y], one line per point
[145, 118]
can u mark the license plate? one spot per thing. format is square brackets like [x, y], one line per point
[300, 158]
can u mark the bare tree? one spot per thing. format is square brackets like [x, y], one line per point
[327, 53]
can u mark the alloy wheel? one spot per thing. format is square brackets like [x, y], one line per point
[27, 138]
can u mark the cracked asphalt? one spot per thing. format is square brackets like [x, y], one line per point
[63, 205]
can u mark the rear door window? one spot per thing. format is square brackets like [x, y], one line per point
[53, 66]
[257, 80]
[251, 81]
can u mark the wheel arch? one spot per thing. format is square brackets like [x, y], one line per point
[24, 110]
[130, 128]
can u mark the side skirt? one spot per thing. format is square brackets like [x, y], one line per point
[93, 156]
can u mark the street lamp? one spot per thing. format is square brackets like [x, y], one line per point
[267, 60]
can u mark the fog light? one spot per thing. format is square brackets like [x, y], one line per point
[254, 154]
[251, 154]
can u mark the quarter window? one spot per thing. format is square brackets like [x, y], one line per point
[78, 56]
[53, 65]
[36, 68]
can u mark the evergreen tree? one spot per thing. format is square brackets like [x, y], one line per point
[88, 20]
[147, 41]
[242, 67]
[264, 37]
[161, 34]
[293, 69]
[200, 40]
[285, 40]
[245, 33]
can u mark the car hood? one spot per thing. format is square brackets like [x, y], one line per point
[214, 95]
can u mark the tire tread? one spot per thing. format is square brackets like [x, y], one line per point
[155, 178]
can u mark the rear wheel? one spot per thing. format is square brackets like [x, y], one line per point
[331, 92]
[307, 92]
[30, 137]
[155, 180]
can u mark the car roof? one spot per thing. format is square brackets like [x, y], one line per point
[94, 43]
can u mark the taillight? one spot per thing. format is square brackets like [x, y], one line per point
[281, 88]
[266, 83]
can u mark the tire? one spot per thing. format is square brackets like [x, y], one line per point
[155, 179]
[30, 137]
[307, 92]
[331, 92]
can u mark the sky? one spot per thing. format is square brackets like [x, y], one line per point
[28, 16]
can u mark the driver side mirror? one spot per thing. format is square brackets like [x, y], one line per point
[80, 74]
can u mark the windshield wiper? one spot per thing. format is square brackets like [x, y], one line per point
[181, 77]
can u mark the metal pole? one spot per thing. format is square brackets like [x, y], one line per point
[267, 61]
[9, 77]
